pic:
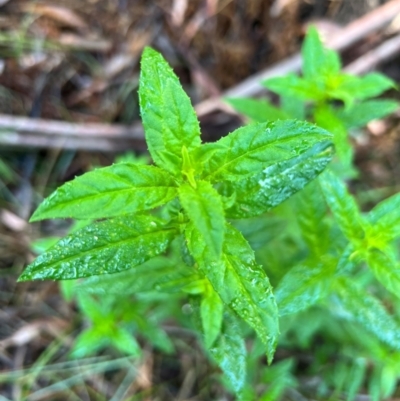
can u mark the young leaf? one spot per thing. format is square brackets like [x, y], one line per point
[230, 354]
[109, 192]
[355, 304]
[258, 110]
[278, 182]
[385, 217]
[310, 211]
[366, 87]
[302, 287]
[292, 85]
[102, 248]
[343, 206]
[168, 117]
[125, 342]
[250, 149]
[240, 282]
[317, 60]
[88, 342]
[211, 311]
[204, 207]
[386, 270]
[362, 113]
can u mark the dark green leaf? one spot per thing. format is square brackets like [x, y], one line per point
[355, 304]
[240, 282]
[204, 207]
[102, 248]
[278, 182]
[168, 117]
[257, 110]
[250, 149]
[109, 192]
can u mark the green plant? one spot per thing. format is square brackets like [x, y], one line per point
[201, 186]
[334, 100]
[335, 269]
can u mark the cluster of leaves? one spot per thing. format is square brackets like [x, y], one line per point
[335, 270]
[185, 206]
[334, 100]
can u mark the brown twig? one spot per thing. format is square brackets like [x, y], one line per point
[25, 132]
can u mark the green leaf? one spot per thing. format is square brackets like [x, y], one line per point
[361, 88]
[252, 148]
[109, 192]
[211, 311]
[292, 85]
[125, 342]
[343, 207]
[88, 343]
[203, 206]
[240, 282]
[310, 212]
[257, 110]
[302, 287]
[386, 270]
[355, 304]
[317, 60]
[168, 117]
[362, 113]
[278, 182]
[106, 247]
[230, 354]
[385, 218]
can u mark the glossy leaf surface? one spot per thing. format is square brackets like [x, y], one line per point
[240, 282]
[278, 182]
[168, 117]
[250, 149]
[109, 192]
[203, 205]
[107, 247]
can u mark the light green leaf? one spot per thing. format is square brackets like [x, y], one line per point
[125, 342]
[88, 343]
[303, 286]
[386, 270]
[278, 182]
[240, 282]
[250, 149]
[362, 113]
[368, 86]
[257, 110]
[229, 353]
[292, 85]
[357, 305]
[385, 218]
[317, 60]
[203, 206]
[211, 311]
[343, 207]
[310, 212]
[102, 248]
[109, 192]
[168, 117]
